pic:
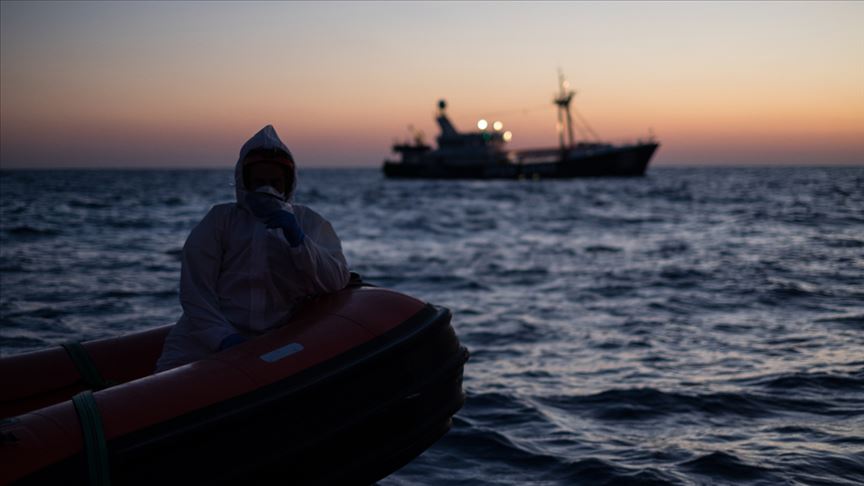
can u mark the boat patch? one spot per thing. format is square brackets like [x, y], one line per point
[284, 351]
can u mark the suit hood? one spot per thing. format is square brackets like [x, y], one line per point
[265, 139]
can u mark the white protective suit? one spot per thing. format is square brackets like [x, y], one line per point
[240, 277]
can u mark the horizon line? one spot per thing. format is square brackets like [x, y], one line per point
[736, 165]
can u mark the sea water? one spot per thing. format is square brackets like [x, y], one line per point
[695, 326]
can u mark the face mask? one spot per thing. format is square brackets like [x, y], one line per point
[270, 190]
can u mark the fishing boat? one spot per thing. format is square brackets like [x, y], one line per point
[354, 387]
[483, 154]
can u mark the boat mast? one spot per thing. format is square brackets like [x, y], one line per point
[563, 99]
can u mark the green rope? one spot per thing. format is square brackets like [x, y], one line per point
[85, 366]
[95, 448]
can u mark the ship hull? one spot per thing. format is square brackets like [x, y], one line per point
[630, 161]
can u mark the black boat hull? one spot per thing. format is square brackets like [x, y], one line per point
[630, 161]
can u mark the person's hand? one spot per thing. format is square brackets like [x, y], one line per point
[290, 227]
[276, 214]
[263, 205]
[231, 341]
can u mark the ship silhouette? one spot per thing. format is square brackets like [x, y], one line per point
[483, 154]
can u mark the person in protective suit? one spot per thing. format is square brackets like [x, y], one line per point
[247, 265]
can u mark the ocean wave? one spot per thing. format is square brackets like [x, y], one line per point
[783, 288]
[482, 442]
[669, 248]
[173, 201]
[648, 403]
[493, 457]
[88, 204]
[131, 223]
[121, 294]
[508, 331]
[678, 194]
[46, 312]
[592, 470]
[856, 319]
[11, 343]
[852, 383]
[840, 242]
[602, 249]
[51, 316]
[722, 465]
[688, 275]
[14, 267]
[452, 282]
[32, 231]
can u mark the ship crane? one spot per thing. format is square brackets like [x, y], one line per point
[565, 95]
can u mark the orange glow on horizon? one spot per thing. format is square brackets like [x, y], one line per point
[774, 90]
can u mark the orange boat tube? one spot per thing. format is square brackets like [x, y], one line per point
[355, 386]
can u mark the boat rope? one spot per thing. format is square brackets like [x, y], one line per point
[95, 447]
[86, 367]
[585, 122]
[582, 132]
[522, 111]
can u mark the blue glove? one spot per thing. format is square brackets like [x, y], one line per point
[231, 341]
[290, 227]
[270, 210]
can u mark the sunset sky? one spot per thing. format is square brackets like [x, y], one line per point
[158, 84]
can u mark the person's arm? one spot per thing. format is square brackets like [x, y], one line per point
[202, 260]
[309, 239]
[320, 256]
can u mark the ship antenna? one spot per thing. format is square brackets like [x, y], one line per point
[565, 95]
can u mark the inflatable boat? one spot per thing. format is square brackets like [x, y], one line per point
[358, 384]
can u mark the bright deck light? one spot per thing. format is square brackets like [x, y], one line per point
[507, 136]
[482, 124]
[497, 126]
